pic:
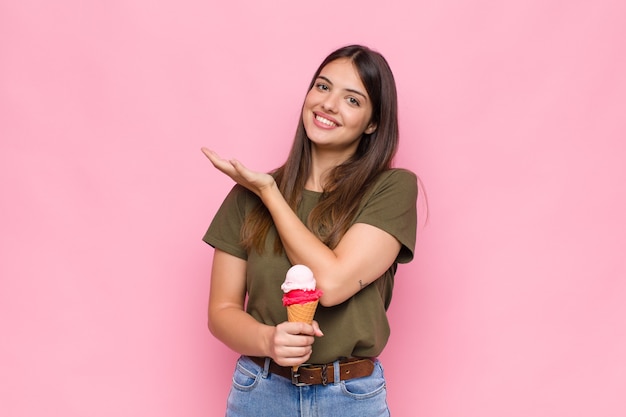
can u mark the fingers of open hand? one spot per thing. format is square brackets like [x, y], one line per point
[252, 180]
[223, 165]
[256, 181]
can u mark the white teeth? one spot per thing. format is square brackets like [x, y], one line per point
[325, 121]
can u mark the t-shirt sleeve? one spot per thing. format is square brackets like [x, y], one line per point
[224, 232]
[391, 206]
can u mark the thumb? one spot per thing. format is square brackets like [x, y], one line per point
[316, 328]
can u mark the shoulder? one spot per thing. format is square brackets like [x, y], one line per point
[390, 205]
[398, 175]
[400, 179]
[224, 232]
[237, 204]
[397, 186]
[241, 197]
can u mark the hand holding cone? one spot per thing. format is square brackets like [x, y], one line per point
[301, 297]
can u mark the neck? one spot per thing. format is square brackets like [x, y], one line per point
[321, 164]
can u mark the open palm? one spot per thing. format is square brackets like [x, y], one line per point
[252, 180]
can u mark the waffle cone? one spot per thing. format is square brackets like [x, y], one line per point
[302, 312]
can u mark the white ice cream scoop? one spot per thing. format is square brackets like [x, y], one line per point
[299, 277]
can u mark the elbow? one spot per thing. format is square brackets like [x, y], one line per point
[334, 294]
[325, 303]
[332, 298]
[211, 324]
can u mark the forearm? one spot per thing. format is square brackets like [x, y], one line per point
[240, 331]
[332, 273]
[299, 243]
[287, 343]
[363, 254]
[228, 321]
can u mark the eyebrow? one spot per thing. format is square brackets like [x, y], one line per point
[347, 89]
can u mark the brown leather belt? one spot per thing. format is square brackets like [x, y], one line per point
[321, 374]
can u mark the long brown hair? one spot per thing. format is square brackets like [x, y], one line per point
[347, 182]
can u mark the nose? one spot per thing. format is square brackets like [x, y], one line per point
[330, 103]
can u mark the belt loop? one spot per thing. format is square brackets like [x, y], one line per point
[336, 372]
[266, 367]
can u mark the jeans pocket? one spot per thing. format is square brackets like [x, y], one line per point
[246, 375]
[366, 387]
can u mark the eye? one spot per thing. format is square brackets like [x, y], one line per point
[353, 101]
[322, 86]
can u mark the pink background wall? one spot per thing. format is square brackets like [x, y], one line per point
[512, 113]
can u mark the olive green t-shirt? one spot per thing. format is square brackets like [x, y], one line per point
[356, 327]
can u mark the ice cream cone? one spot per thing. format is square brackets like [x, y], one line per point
[303, 313]
[301, 297]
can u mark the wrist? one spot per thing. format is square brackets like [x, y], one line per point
[269, 192]
[267, 340]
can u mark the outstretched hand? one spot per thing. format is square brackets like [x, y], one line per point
[254, 181]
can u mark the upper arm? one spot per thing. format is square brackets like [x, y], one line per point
[228, 282]
[364, 254]
[383, 233]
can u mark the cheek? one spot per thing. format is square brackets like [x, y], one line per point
[360, 120]
[367, 120]
[309, 99]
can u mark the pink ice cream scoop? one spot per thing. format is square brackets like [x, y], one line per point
[299, 286]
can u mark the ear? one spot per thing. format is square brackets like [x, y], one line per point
[371, 128]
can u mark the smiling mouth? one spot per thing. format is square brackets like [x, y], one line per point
[325, 121]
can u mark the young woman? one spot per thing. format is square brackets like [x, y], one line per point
[338, 207]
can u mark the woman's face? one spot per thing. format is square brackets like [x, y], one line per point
[337, 110]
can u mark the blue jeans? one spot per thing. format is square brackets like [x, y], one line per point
[257, 393]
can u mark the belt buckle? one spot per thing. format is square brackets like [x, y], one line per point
[295, 375]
